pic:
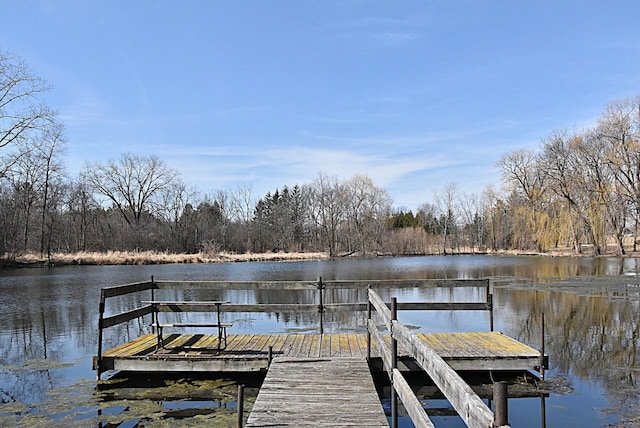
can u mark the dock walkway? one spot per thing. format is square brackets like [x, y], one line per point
[318, 392]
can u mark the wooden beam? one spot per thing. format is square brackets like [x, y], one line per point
[381, 346]
[120, 290]
[408, 283]
[313, 285]
[444, 306]
[126, 316]
[238, 285]
[469, 406]
[411, 403]
[381, 308]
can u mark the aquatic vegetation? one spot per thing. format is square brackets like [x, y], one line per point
[210, 402]
[38, 364]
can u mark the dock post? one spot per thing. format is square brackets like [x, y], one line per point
[154, 317]
[368, 322]
[490, 302]
[542, 346]
[269, 356]
[394, 365]
[240, 406]
[321, 305]
[100, 324]
[500, 397]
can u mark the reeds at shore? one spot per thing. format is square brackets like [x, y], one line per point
[152, 257]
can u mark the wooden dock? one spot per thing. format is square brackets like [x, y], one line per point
[325, 377]
[318, 392]
[249, 353]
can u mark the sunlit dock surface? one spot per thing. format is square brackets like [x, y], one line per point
[247, 352]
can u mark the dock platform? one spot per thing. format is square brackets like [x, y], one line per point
[322, 379]
[318, 392]
[249, 353]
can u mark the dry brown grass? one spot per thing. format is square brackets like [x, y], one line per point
[151, 257]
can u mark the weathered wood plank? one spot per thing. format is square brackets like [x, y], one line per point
[318, 392]
[469, 406]
[296, 347]
[326, 348]
[121, 290]
[125, 348]
[383, 350]
[443, 306]
[236, 342]
[410, 402]
[381, 308]
[237, 285]
[126, 316]
[314, 350]
[407, 283]
[312, 285]
[355, 347]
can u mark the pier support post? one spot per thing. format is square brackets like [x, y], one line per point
[500, 397]
[269, 356]
[240, 406]
[321, 305]
[100, 326]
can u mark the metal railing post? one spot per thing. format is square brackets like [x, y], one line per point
[321, 305]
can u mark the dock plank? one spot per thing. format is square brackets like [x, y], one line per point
[318, 393]
[237, 342]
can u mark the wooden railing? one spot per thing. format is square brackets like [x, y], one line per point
[473, 411]
[149, 293]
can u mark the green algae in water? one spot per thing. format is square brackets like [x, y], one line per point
[38, 364]
[82, 404]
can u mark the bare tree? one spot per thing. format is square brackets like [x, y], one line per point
[82, 209]
[367, 209]
[619, 130]
[174, 209]
[242, 205]
[446, 203]
[22, 110]
[522, 173]
[328, 208]
[563, 168]
[49, 151]
[132, 184]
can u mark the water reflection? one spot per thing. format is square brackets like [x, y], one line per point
[49, 319]
[592, 337]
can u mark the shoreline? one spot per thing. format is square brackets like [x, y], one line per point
[116, 258]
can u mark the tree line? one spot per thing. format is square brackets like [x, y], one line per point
[581, 187]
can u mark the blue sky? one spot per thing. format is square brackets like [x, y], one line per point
[415, 94]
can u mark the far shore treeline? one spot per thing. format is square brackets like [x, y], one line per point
[579, 191]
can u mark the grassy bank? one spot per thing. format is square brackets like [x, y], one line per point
[150, 257]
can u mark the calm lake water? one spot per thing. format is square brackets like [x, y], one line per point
[592, 310]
